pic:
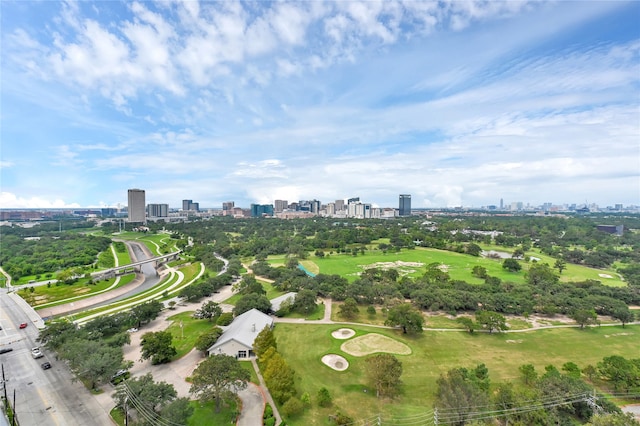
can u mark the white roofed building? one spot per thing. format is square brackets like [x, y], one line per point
[237, 339]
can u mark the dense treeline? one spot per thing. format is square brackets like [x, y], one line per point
[49, 253]
[559, 397]
[436, 291]
[572, 239]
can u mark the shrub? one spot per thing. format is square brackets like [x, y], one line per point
[293, 407]
[324, 397]
[225, 319]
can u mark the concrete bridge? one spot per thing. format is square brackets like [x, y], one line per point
[135, 266]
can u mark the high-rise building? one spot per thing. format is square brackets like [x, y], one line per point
[158, 210]
[339, 205]
[404, 205]
[186, 205]
[228, 205]
[136, 206]
[260, 210]
[281, 205]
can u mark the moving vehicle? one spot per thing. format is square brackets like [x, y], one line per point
[36, 353]
[45, 365]
[23, 325]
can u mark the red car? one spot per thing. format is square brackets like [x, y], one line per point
[23, 325]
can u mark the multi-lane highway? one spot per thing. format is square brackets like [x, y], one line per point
[42, 397]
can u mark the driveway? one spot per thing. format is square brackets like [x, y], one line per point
[176, 371]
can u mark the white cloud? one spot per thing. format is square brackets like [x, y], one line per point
[9, 200]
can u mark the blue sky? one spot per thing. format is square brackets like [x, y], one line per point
[456, 103]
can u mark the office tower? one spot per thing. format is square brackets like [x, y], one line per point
[405, 205]
[353, 200]
[136, 206]
[281, 205]
[158, 210]
[186, 205]
[339, 205]
[260, 210]
[501, 204]
[228, 205]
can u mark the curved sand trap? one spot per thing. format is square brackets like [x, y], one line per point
[372, 343]
[343, 333]
[336, 362]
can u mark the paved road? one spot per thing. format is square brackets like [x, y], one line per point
[42, 397]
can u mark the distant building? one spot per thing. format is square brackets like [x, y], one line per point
[158, 210]
[339, 205]
[189, 205]
[260, 210]
[136, 206]
[404, 205]
[281, 205]
[611, 229]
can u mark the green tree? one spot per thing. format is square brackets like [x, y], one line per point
[560, 265]
[623, 373]
[407, 317]
[252, 301]
[250, 285]
[383, 373]
[209, 310]
[528, 374]
[147, 396]
[511, 265]
[263, 341]
[479, 271]
[146, 312]
[208, 339]
[324, 397]
[458, 396]
[349, 309]
[572, 370]
[473, 249]
[225, 319]
[158, 346]
[467, 323]
[280, 378]
[218, 378]
[491, 321]
[584, 317]
[624, 315]
[305, 301]
[293, 407]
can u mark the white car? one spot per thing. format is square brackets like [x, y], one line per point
[36, 353]
[132, 330]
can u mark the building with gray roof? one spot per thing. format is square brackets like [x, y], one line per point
[237, 339]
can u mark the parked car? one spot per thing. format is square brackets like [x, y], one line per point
[23, 325]
[132, 330]
[45, 365]
[36, 353]
[120, 376]
[5, 350]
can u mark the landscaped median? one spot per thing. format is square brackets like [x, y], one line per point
[175, 282]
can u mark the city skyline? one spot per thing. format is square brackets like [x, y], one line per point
[458, 104]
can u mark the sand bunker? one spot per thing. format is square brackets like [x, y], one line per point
[605, 276]
[343, 333]
[336, 362]
[372, 343]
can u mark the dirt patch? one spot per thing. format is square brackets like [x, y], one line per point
[618, 334]
[372, 343]
[605, 276]
[514, 341]
[336, 362]
[343, 333]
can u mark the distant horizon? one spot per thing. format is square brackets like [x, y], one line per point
[455, 103]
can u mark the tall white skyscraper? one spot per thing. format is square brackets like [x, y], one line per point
[137, 207]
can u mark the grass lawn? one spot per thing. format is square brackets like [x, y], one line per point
[434, 353]
[458, 265]
[205, 414]
[49, 295]
[184, 338]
